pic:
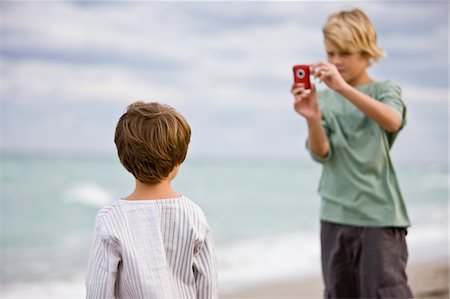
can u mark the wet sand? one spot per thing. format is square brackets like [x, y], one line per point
[427, 280]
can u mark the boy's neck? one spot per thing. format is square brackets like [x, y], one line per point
[363, 79]
[161, 190]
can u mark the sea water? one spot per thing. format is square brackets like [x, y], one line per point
[263, 213]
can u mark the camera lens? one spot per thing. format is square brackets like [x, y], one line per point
[301, 73]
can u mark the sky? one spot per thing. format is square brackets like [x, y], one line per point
[69, 69]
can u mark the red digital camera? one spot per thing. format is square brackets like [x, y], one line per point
[301, 76]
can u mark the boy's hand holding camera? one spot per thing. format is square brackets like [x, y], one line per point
[306, 99]
[307, 105]
[329, 74]
[305, 93]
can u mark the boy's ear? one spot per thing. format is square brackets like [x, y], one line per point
[174, 172]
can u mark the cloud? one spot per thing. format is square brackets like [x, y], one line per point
[227, 66]
[31, 81]
[426, 94]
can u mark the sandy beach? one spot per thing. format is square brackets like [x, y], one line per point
[427, 280]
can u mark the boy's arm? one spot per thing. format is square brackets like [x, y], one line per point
[306, 105]
[205, 271]
[102, 267]
[379, 112]
[317, 139]
[382, 114]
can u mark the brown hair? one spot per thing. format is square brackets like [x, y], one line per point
[151, 140]
[352, 31]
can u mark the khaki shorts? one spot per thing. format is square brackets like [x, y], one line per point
[364, 262]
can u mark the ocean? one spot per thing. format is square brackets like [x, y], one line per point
[263, 213]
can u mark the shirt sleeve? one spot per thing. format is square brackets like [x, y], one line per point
[391, 95]
[205, 270]
[318, 158]
[102, 266]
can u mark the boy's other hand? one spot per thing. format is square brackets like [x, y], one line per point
[305, 102]
[328, 74]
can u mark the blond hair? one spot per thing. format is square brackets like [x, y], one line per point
[151, 140]
[353, 32]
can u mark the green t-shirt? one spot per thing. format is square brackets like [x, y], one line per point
[358, 185]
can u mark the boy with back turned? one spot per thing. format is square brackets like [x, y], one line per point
[154, 243]
[351, 128]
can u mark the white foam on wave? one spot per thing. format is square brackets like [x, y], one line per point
[427, 243]
[274, 258]
[88, 193]
[428, 236]
[269, 258]
[253, 262]
[257, 260]
[70, 288]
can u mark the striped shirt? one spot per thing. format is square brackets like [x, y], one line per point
[147, 249]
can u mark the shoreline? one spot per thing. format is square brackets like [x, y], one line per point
[426, 279]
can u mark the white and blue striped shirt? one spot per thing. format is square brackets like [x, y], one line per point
[160, 249]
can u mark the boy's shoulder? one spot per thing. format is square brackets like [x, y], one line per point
[108, 210]
[192, 210]
[386, 84]
[193, 207]
[383, 90]
[376, 87]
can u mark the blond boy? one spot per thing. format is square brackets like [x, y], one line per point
[351, 128]
[154, 243]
